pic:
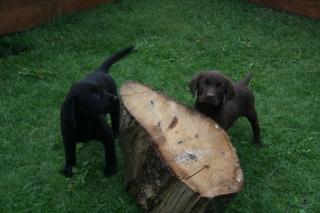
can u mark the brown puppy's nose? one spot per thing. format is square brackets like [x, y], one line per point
[210, 95]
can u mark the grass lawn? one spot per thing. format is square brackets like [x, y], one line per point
[175, 39]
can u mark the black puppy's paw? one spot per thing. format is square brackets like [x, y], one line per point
[110, 171]
[67, 171]
[116, 134]
[258, 144]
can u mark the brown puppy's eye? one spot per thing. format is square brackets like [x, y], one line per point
[219, 86]
[203, 84]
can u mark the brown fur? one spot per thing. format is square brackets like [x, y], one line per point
[225, 101]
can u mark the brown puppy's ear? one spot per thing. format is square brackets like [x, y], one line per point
[193, 83]
[230, 93]
[69, 111]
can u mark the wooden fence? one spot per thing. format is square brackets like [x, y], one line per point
[19, 15]
[307, 8]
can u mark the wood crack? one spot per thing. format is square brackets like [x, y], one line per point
[195, 173]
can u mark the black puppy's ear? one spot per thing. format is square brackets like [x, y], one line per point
[69, 111]
[230, 93]
[193, 83]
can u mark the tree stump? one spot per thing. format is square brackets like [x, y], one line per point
[176, 159]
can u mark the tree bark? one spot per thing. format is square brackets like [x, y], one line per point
[176, 159]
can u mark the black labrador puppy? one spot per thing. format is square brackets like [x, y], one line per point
[83, 114]
[224, 101]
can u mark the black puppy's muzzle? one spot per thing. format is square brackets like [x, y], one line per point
[109, 95]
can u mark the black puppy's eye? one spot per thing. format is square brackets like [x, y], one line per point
[95, 96]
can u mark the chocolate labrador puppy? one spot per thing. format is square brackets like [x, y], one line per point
[83, 114]
[224, 101]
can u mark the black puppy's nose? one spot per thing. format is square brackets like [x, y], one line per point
[115, 98]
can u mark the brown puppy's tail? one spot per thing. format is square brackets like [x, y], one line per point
[114, 58]
[246, 80]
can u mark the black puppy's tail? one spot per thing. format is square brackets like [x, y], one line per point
[114, 58]
[246, 80]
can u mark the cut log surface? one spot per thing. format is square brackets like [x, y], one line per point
[176, 159]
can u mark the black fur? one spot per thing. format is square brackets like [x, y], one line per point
[83, 114]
